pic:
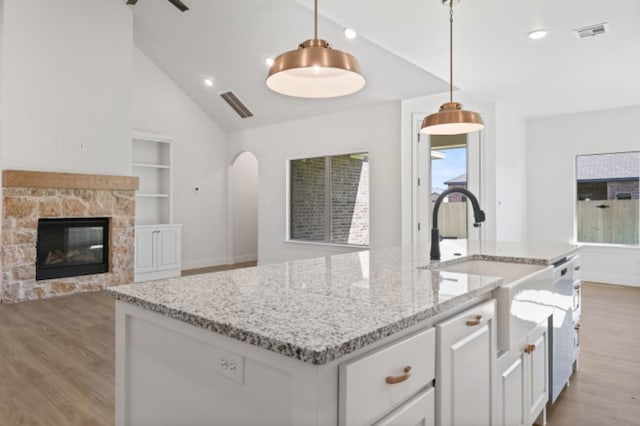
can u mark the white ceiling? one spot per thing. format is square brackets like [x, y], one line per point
[402, 46]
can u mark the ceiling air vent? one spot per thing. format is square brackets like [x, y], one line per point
[236, 104]
[592, 30]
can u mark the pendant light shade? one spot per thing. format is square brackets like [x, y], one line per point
[315, 70]
[451, 119]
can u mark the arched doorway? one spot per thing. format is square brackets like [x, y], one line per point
[243, 209]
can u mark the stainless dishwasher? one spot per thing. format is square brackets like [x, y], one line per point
[561, 329]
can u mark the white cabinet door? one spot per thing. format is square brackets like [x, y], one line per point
[145, 260]
[522, 390]
[539, 371]
[168, 244]
[418, 411]
[513, 405]
[158, 252]
[466, 346]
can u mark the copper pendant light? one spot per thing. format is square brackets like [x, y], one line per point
[315, 70]
[451, 119]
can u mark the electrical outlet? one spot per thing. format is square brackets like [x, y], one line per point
[230, 366]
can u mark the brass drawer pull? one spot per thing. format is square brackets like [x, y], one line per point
[530, 348]
[392, 380]
[476, 321]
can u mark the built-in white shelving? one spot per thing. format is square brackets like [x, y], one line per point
[158, 244]
[151, 162]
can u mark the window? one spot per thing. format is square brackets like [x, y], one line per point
[329, 199]
[449, 170]
[607, 198]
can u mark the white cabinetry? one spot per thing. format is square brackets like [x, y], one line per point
[511, 388]
[466, 348]
[158, 243]
[395, 382]
[522, 388]
[157, 252]
[577, 309]
[418, 411]
[538, 372]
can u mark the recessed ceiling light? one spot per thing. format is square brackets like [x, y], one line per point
[350, 33]
[268, 61]
[208, 82]
[537, 34]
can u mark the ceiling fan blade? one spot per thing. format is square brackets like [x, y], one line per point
[132, 2]
[179, 5]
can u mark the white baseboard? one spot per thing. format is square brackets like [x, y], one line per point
[245, 258]
[204, 263]
[617, 279]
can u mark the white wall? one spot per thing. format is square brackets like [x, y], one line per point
[374, 129]
[66, 86]
[199, 159]
[510, 174]
[243, 217]
[552, 144]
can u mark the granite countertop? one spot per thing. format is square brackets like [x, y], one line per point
[318, 310]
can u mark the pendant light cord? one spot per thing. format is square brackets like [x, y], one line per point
[450, 50]
[315, 18]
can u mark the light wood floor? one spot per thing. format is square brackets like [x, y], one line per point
[606, 390]
[57, 362]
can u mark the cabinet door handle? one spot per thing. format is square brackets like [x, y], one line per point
[530, 348]
[577, 268]
[577, 327]
[392, 380]
[475, 321]
[576, 287]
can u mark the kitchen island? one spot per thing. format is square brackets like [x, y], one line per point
[275, 344]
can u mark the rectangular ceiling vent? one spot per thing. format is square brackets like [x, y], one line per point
[592, 30]
[236, 104]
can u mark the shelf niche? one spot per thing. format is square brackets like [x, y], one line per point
[151, 163]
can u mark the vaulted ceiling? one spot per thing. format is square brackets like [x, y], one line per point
[403, 50]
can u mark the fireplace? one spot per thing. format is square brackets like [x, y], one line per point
[71, 247]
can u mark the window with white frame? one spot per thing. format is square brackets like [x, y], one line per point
[607, 198]
[329, 199]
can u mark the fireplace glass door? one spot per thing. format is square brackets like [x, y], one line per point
[72, 246]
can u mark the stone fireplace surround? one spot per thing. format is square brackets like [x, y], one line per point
[30, 195]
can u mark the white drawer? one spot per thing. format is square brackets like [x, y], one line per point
[366, 395]
[419, 410]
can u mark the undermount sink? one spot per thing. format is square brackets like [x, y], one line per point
[508, 271]
[525, 298]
